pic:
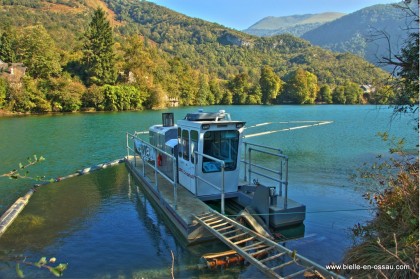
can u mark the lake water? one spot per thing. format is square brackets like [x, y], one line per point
[100, 226]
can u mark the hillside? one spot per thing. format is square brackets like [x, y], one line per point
[228, 51]
[166, 54]
[362, 32]
[296, 25]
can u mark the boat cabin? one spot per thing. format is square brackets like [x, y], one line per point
[206, 146]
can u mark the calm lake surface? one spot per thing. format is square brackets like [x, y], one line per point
[103, 228]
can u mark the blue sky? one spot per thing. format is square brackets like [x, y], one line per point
[240, 14]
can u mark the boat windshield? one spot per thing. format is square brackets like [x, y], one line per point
[222, 145]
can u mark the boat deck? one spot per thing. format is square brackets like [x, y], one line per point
[179, 208]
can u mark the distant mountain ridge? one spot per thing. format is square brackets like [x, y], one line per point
[361, 32]
[296, 25]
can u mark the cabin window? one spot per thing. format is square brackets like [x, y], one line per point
[185, 145]
[222, 145]
[179, 143]
[194, 144]
[152, 138]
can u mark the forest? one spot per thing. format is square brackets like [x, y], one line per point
[133, 55]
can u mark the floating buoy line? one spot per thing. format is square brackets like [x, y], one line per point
[308, 124]
[14, 210]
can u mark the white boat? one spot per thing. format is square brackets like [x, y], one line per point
[202, 163]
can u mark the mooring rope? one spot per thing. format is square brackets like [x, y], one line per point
[309, 212]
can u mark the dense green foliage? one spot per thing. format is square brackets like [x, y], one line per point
[7, 53]
[98, 51]
[162, 58]
[270, 85]
[37, 51]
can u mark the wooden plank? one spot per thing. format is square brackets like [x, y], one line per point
[211, 256]
[220, 225]
[266, 250]
[204, 218]
[236, 236]
[244, 240]
[217, 220]
[254, 246]
[227, 228]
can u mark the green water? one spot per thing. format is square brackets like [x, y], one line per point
[103, 229]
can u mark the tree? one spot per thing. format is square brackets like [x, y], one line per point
[204, 96]
[338, 96]
[240, 86]
[325, 95]
[406, 65]
[270, 85]
[7, 52]
[37, 50]
[352, 92]
[98, 51]
[383, 96]
[63, 93]
[254, 96]
[94, 97]
[301, 87]
[216, 91]
[3, 91]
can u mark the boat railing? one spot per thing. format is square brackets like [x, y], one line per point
[149, 155]
[254, 169]
[222, 178]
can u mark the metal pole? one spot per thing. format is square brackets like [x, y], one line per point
[245, 162]
[144, 163]
[223, 189]
[286, 183]
[128, 150]
[249, 161]
[156, 177]
[175, 186]
[281, 176]
[195, 173]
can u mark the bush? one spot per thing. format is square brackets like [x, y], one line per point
[392, 237]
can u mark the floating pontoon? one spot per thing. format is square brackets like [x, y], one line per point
[196, 165]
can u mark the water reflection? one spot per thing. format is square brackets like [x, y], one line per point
[103, 226]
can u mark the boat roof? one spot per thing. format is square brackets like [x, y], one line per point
[196, 119]
[207, 116]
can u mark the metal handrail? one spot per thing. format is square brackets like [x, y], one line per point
[249, 165]
[222, 188]
[263, 146]
[154, 166]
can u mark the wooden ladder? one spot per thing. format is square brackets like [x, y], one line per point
[268, 256]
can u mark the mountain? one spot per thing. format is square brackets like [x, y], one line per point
[296, 25]
[363, 32]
